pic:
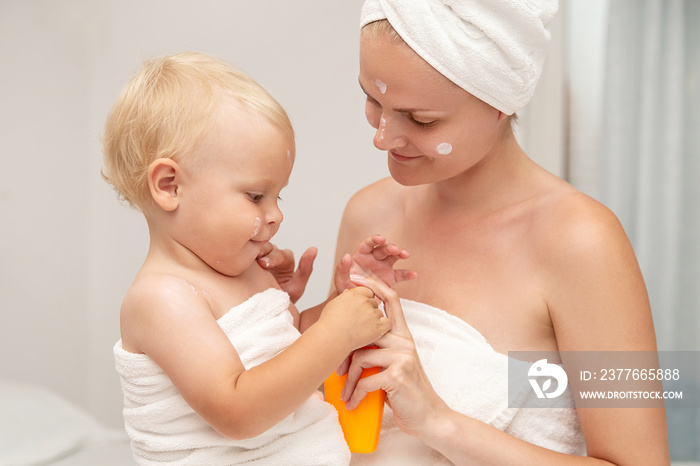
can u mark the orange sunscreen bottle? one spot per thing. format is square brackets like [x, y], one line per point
[362, 425]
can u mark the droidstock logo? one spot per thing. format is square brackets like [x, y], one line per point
[545, 371]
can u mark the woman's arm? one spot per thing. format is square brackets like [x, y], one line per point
[597, 301]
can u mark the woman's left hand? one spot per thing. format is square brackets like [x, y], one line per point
[409, 392]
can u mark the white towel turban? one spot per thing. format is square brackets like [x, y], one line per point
[493, 49]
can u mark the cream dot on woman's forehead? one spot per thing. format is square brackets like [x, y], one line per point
[444, 148]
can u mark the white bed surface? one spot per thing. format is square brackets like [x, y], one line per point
[37, 427]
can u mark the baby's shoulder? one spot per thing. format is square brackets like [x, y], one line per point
[156, 302]
[153, 291]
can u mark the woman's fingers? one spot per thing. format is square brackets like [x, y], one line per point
[344, 367]
[361, 359]
[361, 389]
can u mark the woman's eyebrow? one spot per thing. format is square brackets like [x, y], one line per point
[399, 110]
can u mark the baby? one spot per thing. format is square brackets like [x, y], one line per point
[212, 365]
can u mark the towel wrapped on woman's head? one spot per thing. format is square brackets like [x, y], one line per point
[493, 49]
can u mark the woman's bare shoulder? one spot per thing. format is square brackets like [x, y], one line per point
[370, 211]
[373, 203]
[570, 225]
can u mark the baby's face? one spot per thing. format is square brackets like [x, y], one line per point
[229, 206]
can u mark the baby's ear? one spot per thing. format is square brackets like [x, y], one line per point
[163, 182]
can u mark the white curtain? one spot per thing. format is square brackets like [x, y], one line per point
[636, 147]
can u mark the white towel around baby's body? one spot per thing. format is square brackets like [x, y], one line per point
[472, 378]
[164, 429]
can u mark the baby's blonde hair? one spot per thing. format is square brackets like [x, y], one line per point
[164, 110]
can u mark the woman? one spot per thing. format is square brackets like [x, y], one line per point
[509, 257]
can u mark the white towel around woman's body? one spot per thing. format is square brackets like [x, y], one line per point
[472, 378]
[164, 429]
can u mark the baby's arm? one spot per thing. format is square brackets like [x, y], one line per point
[176, 328]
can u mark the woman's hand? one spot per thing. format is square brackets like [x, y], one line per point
[373, 258]
[280, 262]
[409, 393]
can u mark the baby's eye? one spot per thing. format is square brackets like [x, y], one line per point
[255, 197]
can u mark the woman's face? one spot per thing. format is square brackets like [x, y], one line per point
[432, 129]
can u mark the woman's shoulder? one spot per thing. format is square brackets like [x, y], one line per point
[374, 202]
[383, 187]
[570, 223]
[374, 209]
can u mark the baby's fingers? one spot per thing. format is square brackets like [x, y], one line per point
[369, 244]
[392, 304]
[402, 275]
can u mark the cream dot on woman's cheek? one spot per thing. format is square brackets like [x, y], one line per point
[444, 148]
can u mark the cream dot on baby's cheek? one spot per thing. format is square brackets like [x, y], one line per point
[444, 148]
[256, 227]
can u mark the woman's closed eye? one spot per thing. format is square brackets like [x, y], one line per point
[371, 101]
[422, 123]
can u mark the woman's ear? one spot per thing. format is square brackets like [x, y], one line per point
[163, 182]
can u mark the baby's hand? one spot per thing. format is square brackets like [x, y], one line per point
[373, 258]
[355, 318]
